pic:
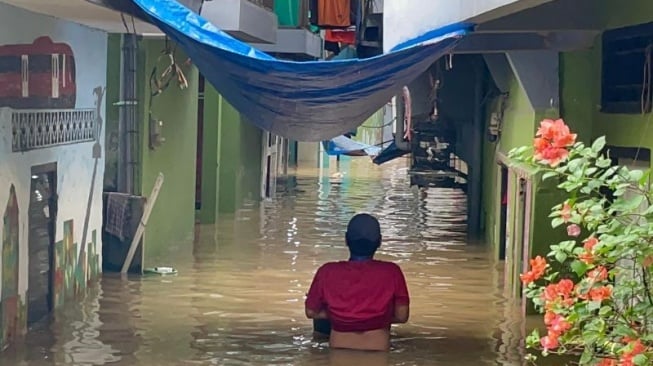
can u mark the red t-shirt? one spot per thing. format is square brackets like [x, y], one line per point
[358, 295]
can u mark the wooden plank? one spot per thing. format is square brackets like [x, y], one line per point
[149, 205]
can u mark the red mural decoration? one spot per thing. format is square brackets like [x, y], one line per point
[40, 75]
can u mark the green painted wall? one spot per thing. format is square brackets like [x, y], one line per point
[580, 75]
[579, 92]
[173, 216]
[517, 130]
[581, 89]
[231, 161]
[617, 15]
[240, 160]
[230, 135]
[251, 150]
[520, 122]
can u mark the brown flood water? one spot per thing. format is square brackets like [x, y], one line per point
[238, 298]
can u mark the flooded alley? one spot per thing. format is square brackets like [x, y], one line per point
[238, 297]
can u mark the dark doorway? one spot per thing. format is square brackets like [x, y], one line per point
[200, 142]
[503, 217]
[42, 223]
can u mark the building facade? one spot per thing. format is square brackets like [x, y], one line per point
[52, 110]
[585, 61]
[80, 88]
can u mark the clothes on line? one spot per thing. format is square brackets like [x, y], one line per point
[342, 36]
[305, 101]
[330, 14]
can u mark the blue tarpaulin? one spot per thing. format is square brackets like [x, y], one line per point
[343, 145]
[304, 101]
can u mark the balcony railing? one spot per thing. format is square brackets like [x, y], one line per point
[37, 129]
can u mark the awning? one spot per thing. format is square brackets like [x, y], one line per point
[343, 145]
[304, 101]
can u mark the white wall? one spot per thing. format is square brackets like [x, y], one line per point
[74, 162]
[407, 19]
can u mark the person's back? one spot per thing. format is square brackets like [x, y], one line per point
[361, 297]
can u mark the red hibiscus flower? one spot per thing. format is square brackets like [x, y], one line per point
[565, 213]
[600, 293]
[538, 267]
[553, 139]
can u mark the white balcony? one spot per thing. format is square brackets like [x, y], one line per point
[296, 43]
[243, 19]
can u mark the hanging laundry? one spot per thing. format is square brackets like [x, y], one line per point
[338, 35]
[304, 101]
[334, 13]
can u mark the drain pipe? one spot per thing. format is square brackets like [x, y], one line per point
[127, 125]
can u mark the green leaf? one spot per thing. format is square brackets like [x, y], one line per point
[636, 175]
[587, 356]
[603, 162]
[579, 268]
[561, 256]
[605, 311]
[593, 305]
[640, 360]
[591, 171]
[568, 245]
[557, 222]
[598, 144]
[574, 165]
[591, 336]
[533, 339]
[548, 175]
[645, 176]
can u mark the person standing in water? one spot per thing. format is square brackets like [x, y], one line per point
[361, 297]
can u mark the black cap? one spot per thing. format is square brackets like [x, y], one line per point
[364, 227]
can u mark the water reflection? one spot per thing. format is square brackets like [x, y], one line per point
[238, 299]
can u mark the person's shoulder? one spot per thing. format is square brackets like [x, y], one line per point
[388, 265]
[329, 266]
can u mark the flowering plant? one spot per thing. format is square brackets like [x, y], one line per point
[594, 288]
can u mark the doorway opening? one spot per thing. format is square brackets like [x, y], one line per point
[521, 231]
[200, 142]
[42, 221]
[503, 214]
